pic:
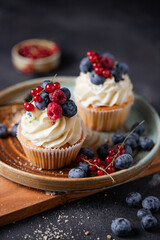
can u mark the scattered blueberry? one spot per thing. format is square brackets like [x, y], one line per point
[76, 173]
[14, 130]
[146, 143]
[43, 85]
[121, 227]
[69, 108]
[97, 79]
[131, 142]
[3, 131]
[122, 67]
[117, 138]
[152, 203]
[134, 199]
[85, 65]
[149, 222]
[84, 166]
[45, 97]
[143, 212]
[41, 105]
[87, 152]
[102, 151]
[133, 135]
[123, 161]
[128, 149]
[67, 92]
[139, 130]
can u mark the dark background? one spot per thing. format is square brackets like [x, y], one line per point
[128, 29]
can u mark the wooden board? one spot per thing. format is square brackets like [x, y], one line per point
[18, 202]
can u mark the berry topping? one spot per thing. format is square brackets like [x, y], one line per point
[33, 92]
[56, 85]
[38, 89]
[122, 67]
[134, 199]
[29, 107]
[43, 85]
[37, 98]
[96, 65]
[41, 105]
[45, 97]
[54, 111]
[106, 73]
[90, 53]
[97, 79]
[85, 65]
[14, 130]
[58, 96]
[3, 131]
[98, 70]
[107, 62]
[49, 88]
[67, 92]
[76, 173]
[123, 161]
[69, 108]
[121, 227]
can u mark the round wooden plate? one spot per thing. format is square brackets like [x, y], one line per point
[15, 166]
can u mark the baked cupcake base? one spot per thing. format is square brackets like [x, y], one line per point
[54, 158]
[105, 118]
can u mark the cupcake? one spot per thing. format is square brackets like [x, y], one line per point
[51, 132]
[103, 92]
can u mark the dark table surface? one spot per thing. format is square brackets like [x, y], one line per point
[128, 29]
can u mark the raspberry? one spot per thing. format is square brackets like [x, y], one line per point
[58, 96]
[54, 111]
[107, 63]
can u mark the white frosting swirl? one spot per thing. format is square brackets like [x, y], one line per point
[107, 94]
[40, 130]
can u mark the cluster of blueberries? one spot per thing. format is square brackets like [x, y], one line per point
[133, 141]
[4, 131]
[122, 226]
[117, 71]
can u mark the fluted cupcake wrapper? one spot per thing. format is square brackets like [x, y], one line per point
[103, 120]
[54, 158]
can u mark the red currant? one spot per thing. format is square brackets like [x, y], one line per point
[110, 169]
[109, 159]
[97, 161]
[49, 88]
[25, 104]
[90, 160]
[100, 172]
[120, 146]
[29, 107]
[96, 65]
[106, 73]
[56, 85]
[37, 98]
[33, 92]
[98, 70]
[92, 168]
[90, 53]
[79, 158]
[39, 89]
[122, 151]
[117, 155]
[111, 151]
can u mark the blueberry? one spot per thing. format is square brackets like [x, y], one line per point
[143, 212]
[67, 92]
[69, 108]
[84, 166]
[97, 79]
[134, 199]
[121, 227]
[123, 161]
[41, 105]
[149, 222]
[43, 85]
[3, 131]
[146, 143]
[87, 152]
[139, 130]
[128, 149]
[152, 203]
[85, 65]
[14, 130]
[117, 74]
[45, 97]
[102, 151]
[131, 142]
[76, 173]
[107, 54]
[117, 138]
[133, 135]
[122, 67]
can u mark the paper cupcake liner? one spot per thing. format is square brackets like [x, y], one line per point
[104, 120]
[53, 158]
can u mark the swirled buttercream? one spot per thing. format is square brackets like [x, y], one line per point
[41, 131]
[107, 94]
